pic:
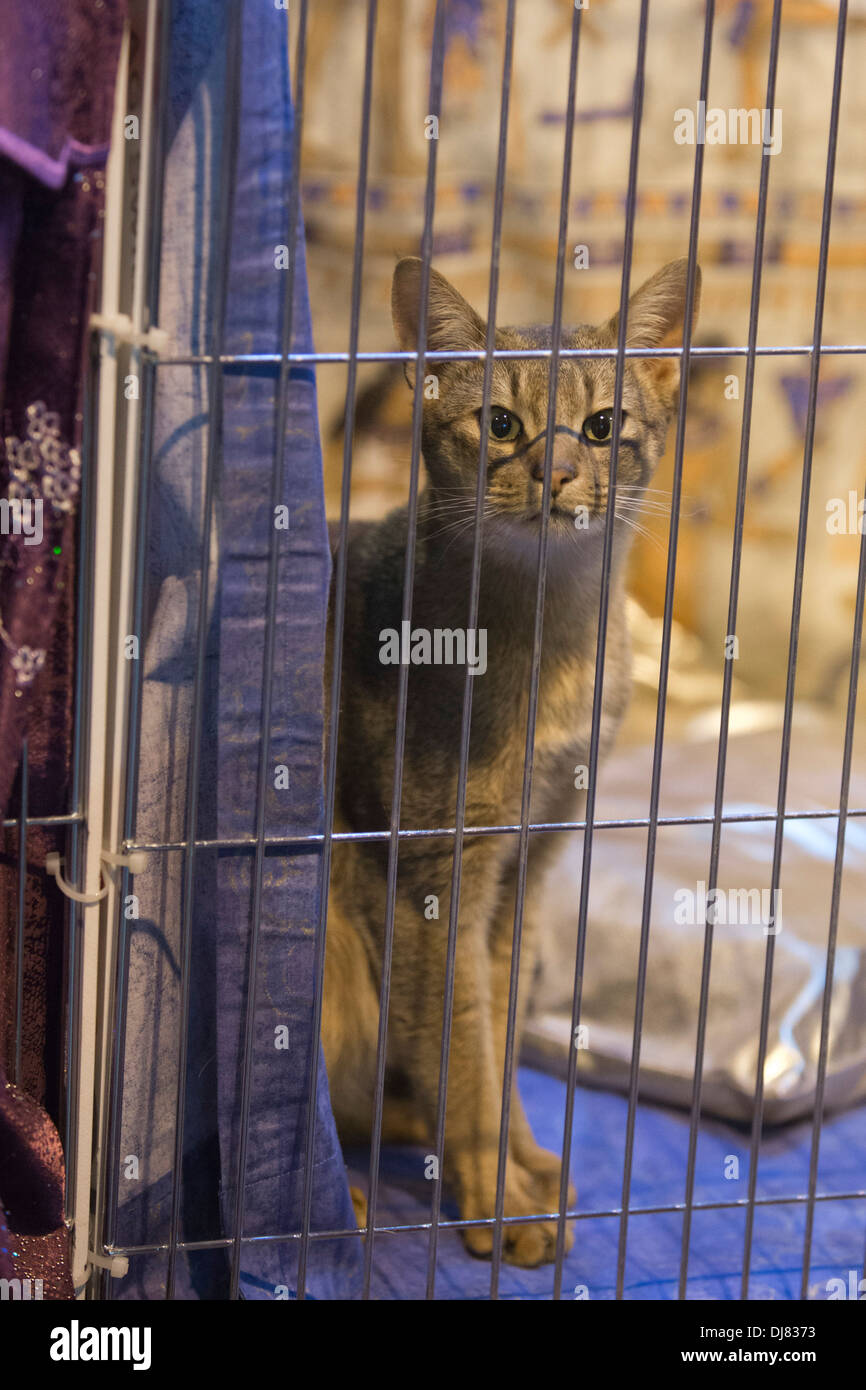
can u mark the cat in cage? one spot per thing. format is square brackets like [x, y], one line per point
[377, 643]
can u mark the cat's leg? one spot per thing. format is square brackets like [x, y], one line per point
[350, 1021]
[542, 1166]
[474, 1083]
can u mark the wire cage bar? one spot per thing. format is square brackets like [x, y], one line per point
[108, 711]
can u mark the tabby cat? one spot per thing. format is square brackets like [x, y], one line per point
[376, 554]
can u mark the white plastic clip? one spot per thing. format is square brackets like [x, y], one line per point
[135, 862]
[122, 329]
[117, 1265]
[54, 863]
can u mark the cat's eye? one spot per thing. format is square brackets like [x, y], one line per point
[504, 425]
[598, 428]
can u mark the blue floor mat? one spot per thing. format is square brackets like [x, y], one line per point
[654, 1239]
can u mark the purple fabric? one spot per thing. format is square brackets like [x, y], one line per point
[57, 69]
[57, 64]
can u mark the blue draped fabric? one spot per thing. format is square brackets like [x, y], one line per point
[236, 546]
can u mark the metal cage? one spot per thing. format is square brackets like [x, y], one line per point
[118, 440]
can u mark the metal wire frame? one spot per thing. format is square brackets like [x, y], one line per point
[215, 360]
[78, 830]
[535, 669]
[472, 620]
[787, 724]
[280, 418]
[824, 1045]
[19, 925]
[339, 625]
[225, 209]
[671, 1208]
[540, 827]
[664, 661]
[313, 359]
[727, 675]
[434, 102]
[145, 252]
[604, 598]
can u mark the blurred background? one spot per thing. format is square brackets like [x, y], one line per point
[462, 231]
[596, 218]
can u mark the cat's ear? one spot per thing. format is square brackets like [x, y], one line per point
[656, 318]
[452, 324]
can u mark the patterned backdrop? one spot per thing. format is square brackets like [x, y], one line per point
[464, 208]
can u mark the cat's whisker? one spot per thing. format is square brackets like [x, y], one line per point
[452, 510]
[638, 488]
[647, 502]
[452, 504]
[656, 513]
[635, 508]
[641, 530]
[643, 493]
[656, 509]
[488, 513]
[449, 526]
[461, 522]
[630, 492]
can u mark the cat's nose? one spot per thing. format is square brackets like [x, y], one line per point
[560, 474]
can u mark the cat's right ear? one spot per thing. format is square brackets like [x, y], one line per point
[656, 318]
[452, 323]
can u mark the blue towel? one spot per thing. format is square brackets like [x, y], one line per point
[238, 541]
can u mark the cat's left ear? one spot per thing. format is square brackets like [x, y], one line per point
[452, 323]
[656, 318]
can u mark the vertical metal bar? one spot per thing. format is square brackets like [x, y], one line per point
[824, 1047]
[143, 241]
[77, 836]
[460, 815]
[77, 840]
[339, 609]
[360, 216]
[277, 475]
[228, 162]
[17, 1075]
[727, 679]
[664, 666]
[815, 367]
[437, 64]
[604, 599]
[87, 1036]
[121, 980]
[535, 668]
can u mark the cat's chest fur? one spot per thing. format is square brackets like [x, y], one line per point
[500, 694]
[563, 721]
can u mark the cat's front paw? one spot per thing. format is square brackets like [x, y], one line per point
[543, 1174]
[527, 1243]
[359, 1205]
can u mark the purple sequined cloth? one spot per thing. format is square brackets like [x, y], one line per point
[58, 61]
